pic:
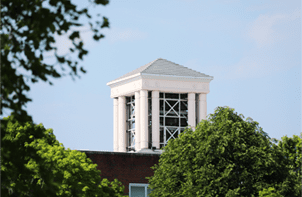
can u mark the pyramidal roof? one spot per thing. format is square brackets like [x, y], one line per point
[164, 67]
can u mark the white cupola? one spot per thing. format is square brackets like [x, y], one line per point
[155, 103]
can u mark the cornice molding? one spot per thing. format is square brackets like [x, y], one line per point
[161, 85]
[160, 77]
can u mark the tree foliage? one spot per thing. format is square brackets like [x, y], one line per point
[270, 192]
[228, 156]
[291, 157]
[34, 163]
[28, 30]
[16, 154]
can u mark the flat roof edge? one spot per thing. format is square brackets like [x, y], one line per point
[119, 153]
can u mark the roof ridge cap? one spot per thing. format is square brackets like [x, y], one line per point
[150, 63]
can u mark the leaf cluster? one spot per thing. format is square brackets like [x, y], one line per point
[225, 156]
[16, 178]
[34, 163]
[28, 30]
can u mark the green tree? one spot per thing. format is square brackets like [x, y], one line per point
[16, 154]
[270, 192]
[225, 156]
[291, 149]
[28, 30]
[34, 163]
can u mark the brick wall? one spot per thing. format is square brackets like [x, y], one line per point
[126, 167]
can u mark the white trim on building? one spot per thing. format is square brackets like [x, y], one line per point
[138, 190]
[145, 84]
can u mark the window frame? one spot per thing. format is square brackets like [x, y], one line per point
[139, 185]
[164, 115]
[130, 120]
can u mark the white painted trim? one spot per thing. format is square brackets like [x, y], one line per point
[159, 77]
[176, 78]
[138, 185]
[126, 79]
[137, 122]
[191, 110]
[122, 123]
[115, 125]
[161, 85]
[144, 118]
[139, 84]
[202, 99]
[155, 119]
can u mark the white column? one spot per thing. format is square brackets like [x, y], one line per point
[115, 124]
[155, 119]
[122, 123]
[137, 122]
[191, 110]
[144, 118]
[202, 107]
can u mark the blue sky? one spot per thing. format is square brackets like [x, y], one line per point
[251, 48]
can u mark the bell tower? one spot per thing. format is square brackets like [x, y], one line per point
[155, 103]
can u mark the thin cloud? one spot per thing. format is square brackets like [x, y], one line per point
[114, 35]
[277, 37]
[263, 29]
[256, 63]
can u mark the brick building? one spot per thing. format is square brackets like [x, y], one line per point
[129, 168]
[151, 105]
